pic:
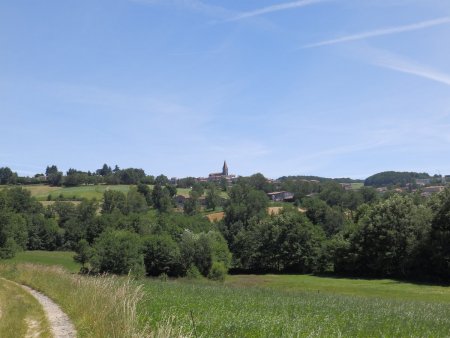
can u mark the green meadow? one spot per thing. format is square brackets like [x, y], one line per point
[42, 191]
[282, 305]
[77, 193]
[49, 258]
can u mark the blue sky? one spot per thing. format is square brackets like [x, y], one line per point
[331, 88]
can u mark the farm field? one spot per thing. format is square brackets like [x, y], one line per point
[357, 186]
[289, 305]
[42, 191]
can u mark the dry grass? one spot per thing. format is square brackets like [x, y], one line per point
[216, 216]
[104, 306]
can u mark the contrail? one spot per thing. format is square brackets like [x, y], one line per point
[275, 8]
[381, 32]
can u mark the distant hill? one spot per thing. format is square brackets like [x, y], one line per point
[320, 179]
[394, 178]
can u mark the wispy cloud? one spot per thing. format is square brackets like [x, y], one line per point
[275, 8]
[385, 59]
[381, 32]
[192, 5]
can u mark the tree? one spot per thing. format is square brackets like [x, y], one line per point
[7, 176]
[161, 180]
[286, 242]
[13, 233]
[136, 201]
[212, 197]
[162, 255]
[440, 235]
[54, 177]
[145, 190]
[389, 238]
[104, 171]
[191, 205]
[244, 204]
[114, 200]
[118, 252]
[83, 253]
[161, 198]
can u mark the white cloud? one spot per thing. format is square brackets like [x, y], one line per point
[381, 32]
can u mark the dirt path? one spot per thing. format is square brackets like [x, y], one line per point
[60, 323]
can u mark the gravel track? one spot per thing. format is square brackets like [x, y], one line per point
[60, 324]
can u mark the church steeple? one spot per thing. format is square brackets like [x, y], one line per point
[225, 169]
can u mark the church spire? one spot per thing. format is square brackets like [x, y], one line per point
[225, 169]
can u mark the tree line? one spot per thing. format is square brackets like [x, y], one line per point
[326, 230]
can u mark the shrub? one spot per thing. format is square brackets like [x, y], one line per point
[118, 252]
[193, 273]
[218, 272]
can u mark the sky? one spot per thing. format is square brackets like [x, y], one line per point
[334, 88]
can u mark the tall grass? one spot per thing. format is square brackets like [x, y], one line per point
[104, 306]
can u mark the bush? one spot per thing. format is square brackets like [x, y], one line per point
[118, 252]
[218, 272]
[193, 273]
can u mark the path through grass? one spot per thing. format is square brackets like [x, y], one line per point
[20, 313]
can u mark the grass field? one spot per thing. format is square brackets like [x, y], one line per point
[59, 258]
[88, 192]
[357, 186]
[302, 306]
[288, 305]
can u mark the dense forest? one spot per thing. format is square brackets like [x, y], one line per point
[326, 230]
[395, 178]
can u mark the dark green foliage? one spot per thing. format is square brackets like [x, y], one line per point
[136, 202]
[387, 178]
[192, 205]
[114, 200]
[118, 252]
[287, 242]
[83, 253]
[218, 272]
[161, 198]
[13, 233]
[131, 175]
[388, 239]
[146, 192]
[193, 273]
[244, 204]
[439, 245]
[212, 197]
[330, 219]
[162, 255]
[7, 176]
[54, 177]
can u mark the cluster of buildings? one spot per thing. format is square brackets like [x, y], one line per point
[220, 176]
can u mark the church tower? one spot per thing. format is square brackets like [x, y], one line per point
[225, 169]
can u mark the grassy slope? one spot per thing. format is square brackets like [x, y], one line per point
[20, 313]
[60, 258]
[88, 191]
